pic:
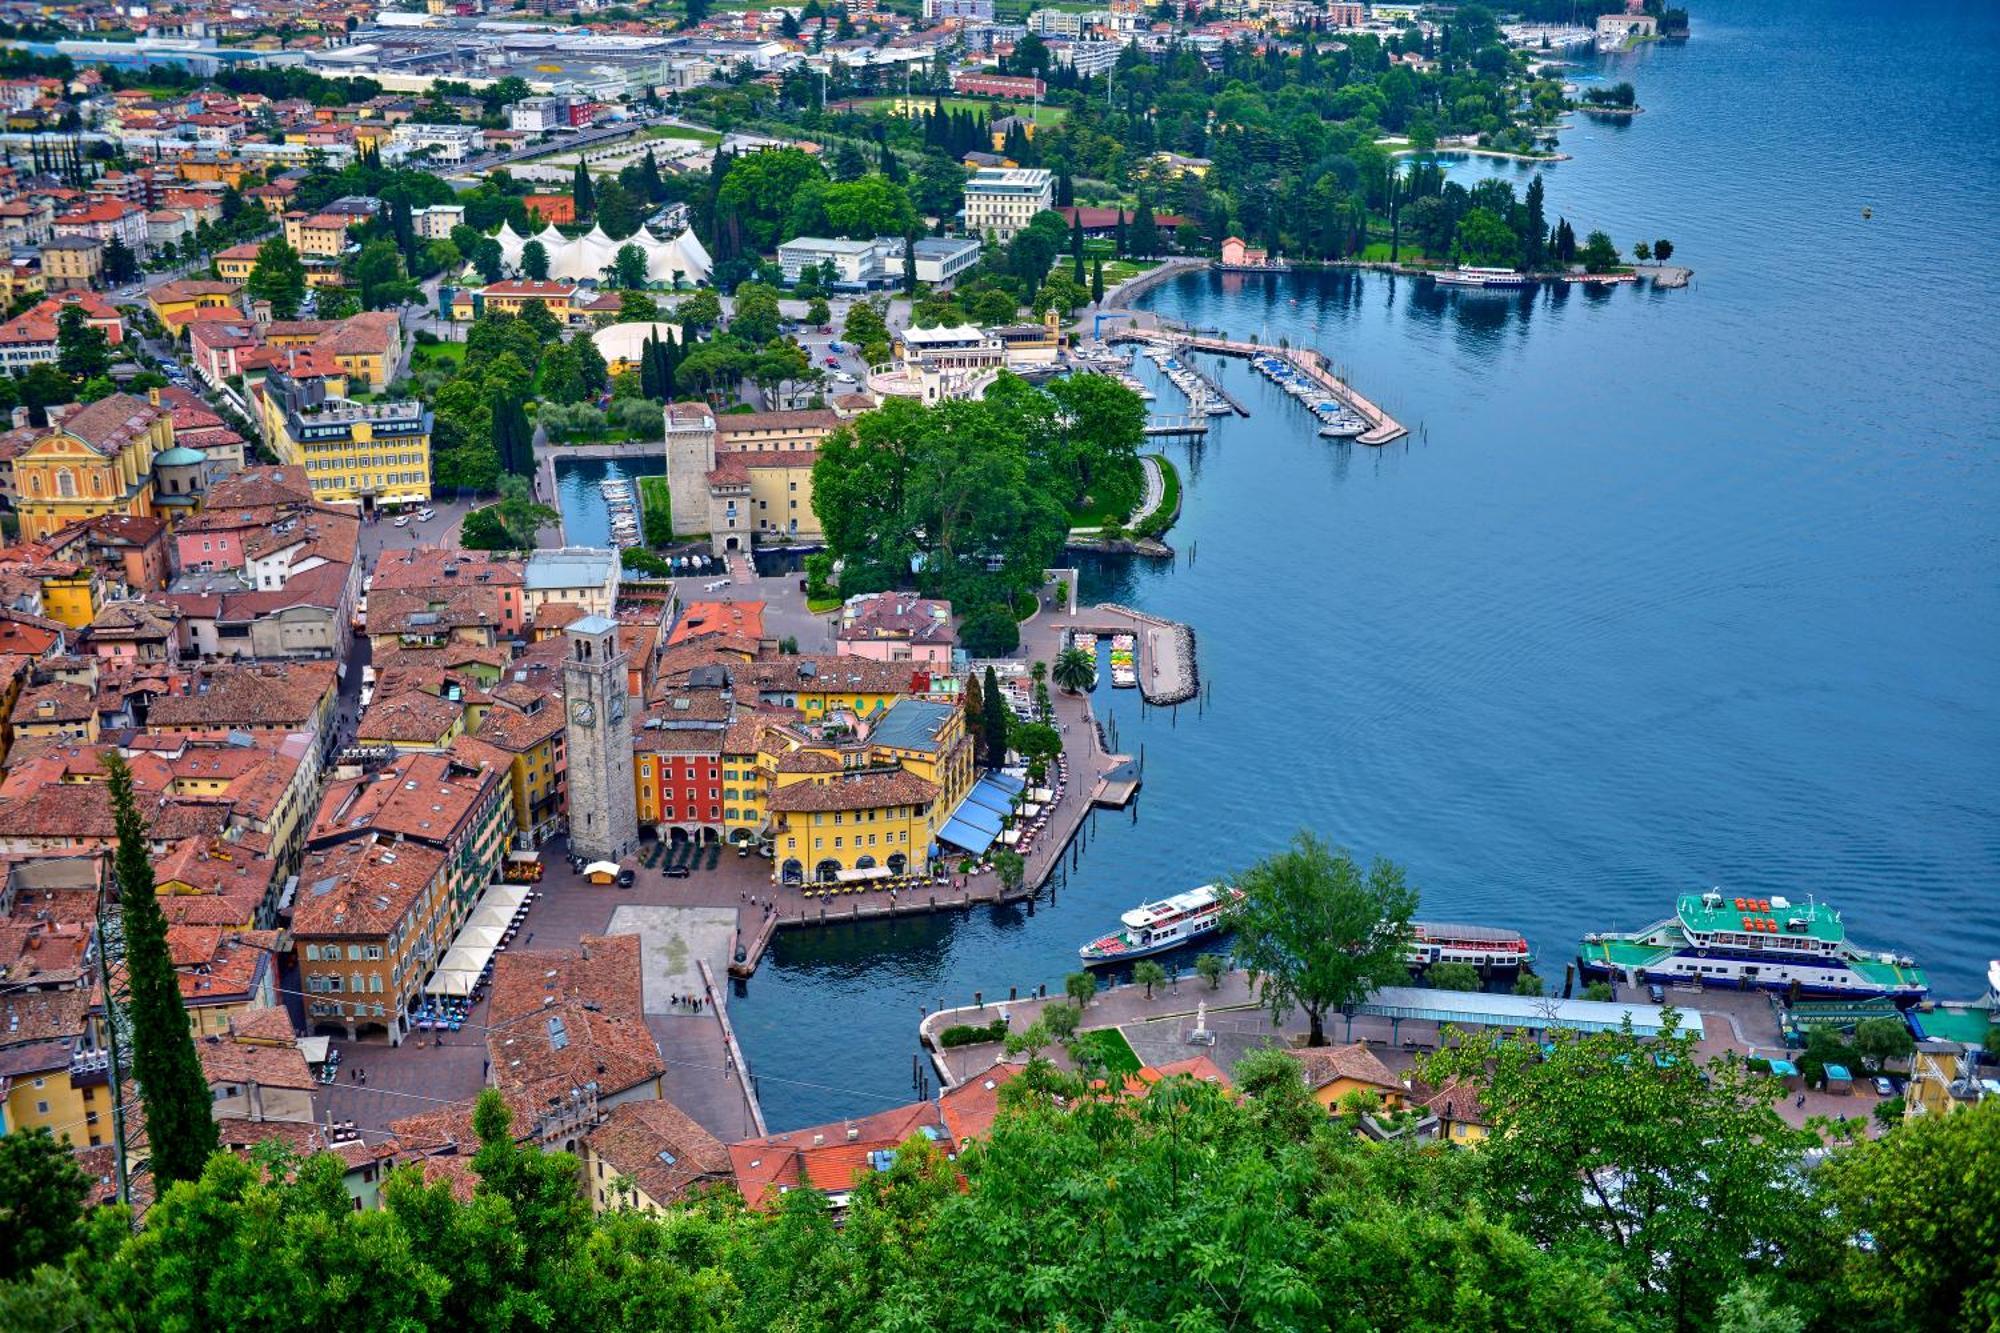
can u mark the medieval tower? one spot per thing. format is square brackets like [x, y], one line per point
[603, 810]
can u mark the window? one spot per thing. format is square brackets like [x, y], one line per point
[373, 953]
[353, 953]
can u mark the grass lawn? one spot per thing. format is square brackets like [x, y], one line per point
[656, 507]
[1109, 1047]
[1118, 270]
[1170, 499]
[442, 351]
[819, 606]
[681, 132]
[1377, 252]
[1038, 115]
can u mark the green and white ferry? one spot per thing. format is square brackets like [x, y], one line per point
[1748, 943]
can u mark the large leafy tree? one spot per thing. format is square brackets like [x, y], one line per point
[180, 1130]
[1681, 1172]
[279, 277]
[41, 1201]
[535, 261]
[83, 350]
[1318, 932]
[1922, 1196]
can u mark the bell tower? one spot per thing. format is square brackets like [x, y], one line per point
[603, 810]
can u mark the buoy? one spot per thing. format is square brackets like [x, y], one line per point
[1867, 212]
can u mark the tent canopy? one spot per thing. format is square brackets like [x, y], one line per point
[477, 940]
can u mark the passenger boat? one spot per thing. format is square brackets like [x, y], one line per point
[1474, 275]
[1480, 946]
[1156, 927]
[1750, 943]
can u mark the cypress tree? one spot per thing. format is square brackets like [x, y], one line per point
[910, 264]
[1118, 238]
[1097, 282]
[180, 1128]
[994, 712]
[1145, 236]
[580, 190]
[975, 719]
[649, 368]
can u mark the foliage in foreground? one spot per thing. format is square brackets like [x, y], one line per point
[1191, 1209]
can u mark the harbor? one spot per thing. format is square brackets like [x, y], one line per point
[1308, 368]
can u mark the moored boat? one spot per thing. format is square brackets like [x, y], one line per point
[1434, 942]
[1167, 923]
[1752, 943]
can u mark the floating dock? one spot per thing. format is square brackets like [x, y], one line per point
[1382, 428]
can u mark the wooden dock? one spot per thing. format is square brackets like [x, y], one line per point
[1116, 789]
[1176, 428]
[1382, 428]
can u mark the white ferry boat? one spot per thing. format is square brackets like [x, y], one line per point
[1474, 275]
[1751, 943]
[1434, 942]
[1156, 927]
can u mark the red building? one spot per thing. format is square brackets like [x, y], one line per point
[677, 776]
[557, 208]
[997, 85]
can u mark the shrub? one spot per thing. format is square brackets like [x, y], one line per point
[990, 631]
[971, 1034]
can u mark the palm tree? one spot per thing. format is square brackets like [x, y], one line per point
[1075, 670]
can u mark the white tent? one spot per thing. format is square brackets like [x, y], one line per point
[477, 941]
[584, 258]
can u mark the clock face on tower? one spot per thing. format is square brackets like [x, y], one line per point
[582, 713]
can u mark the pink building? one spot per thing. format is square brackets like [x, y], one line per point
[896, 627]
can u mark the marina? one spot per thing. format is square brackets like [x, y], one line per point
[1310, 369]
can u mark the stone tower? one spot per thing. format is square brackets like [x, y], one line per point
[603, 811]
[690, 445]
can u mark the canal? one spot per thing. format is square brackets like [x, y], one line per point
[1666, 590]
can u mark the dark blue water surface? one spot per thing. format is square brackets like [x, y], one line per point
[1669, 589]
[586, 519]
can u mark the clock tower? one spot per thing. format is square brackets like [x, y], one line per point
[603, 810]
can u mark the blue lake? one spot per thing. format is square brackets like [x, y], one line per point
[1668, 589]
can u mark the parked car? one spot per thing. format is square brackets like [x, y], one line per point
[1656, 994]
[1884, 1088]
[834, 362]
[842, 377]
[836, 347]
[426, 514]
[676, 872]
[402, 520]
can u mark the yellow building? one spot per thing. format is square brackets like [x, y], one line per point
[1333, 1072]
[318, 235]
[368, 346]
[40, 1049]
[72, 263]
[512, 296]
[237, 262]
[1461, 1116]
[353, 453]
[864, 801]
[59, 710]
[648, 1156]
[532, 742]
[171, 301]
[18, 281]
[70, 593]
[98, 460]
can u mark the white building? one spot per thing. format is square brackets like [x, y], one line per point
[1066, 23]
[445, 143]
[536, 115]
[939, 259]
[856, 264]
[1086, 57]
[673, 263]
[435, 222]
[1001, 200]
[979, 10]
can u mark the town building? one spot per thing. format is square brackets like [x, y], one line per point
[649, 1156]
[1002, 200]
[855, 265]
[604, 822]
[438, 799]
[743, 477]
[896, 627]
[370, 919]
[369, 454]
[939, 259]
[72, 263]
[95, 460]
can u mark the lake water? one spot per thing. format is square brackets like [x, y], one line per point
[586, 517]
[1668, 589]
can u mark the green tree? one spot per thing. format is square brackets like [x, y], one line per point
[1452, 976]
[581, 189]
[1081, 987]
[83, 350]
[41, 1201]
[1145, 235]
[1663, 250]
[1211, 967]
[1075, 670]
[1484, 238]
[818, 314]
[180, 1130]
[376, 273]
[996, 718]
[1097, 282]
[1318, 933]
[1527, 983]
[703, 310]
[1599, 991]
[1643, 251]
[1598, 255]
[278, 277]
[619, 211]
[1010, 867]
[486, 257]
[1880, 1040]
[1591, 1145]
[1148, 973]
[535, 261]
[628, 270]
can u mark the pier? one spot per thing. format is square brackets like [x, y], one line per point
[1382, 428]
[1177, 428]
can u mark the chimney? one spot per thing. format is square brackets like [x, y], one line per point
[59, 414]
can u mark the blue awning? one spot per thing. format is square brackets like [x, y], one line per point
[960, 834]
[977, 816]
[1006, 782]
[989, 798]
